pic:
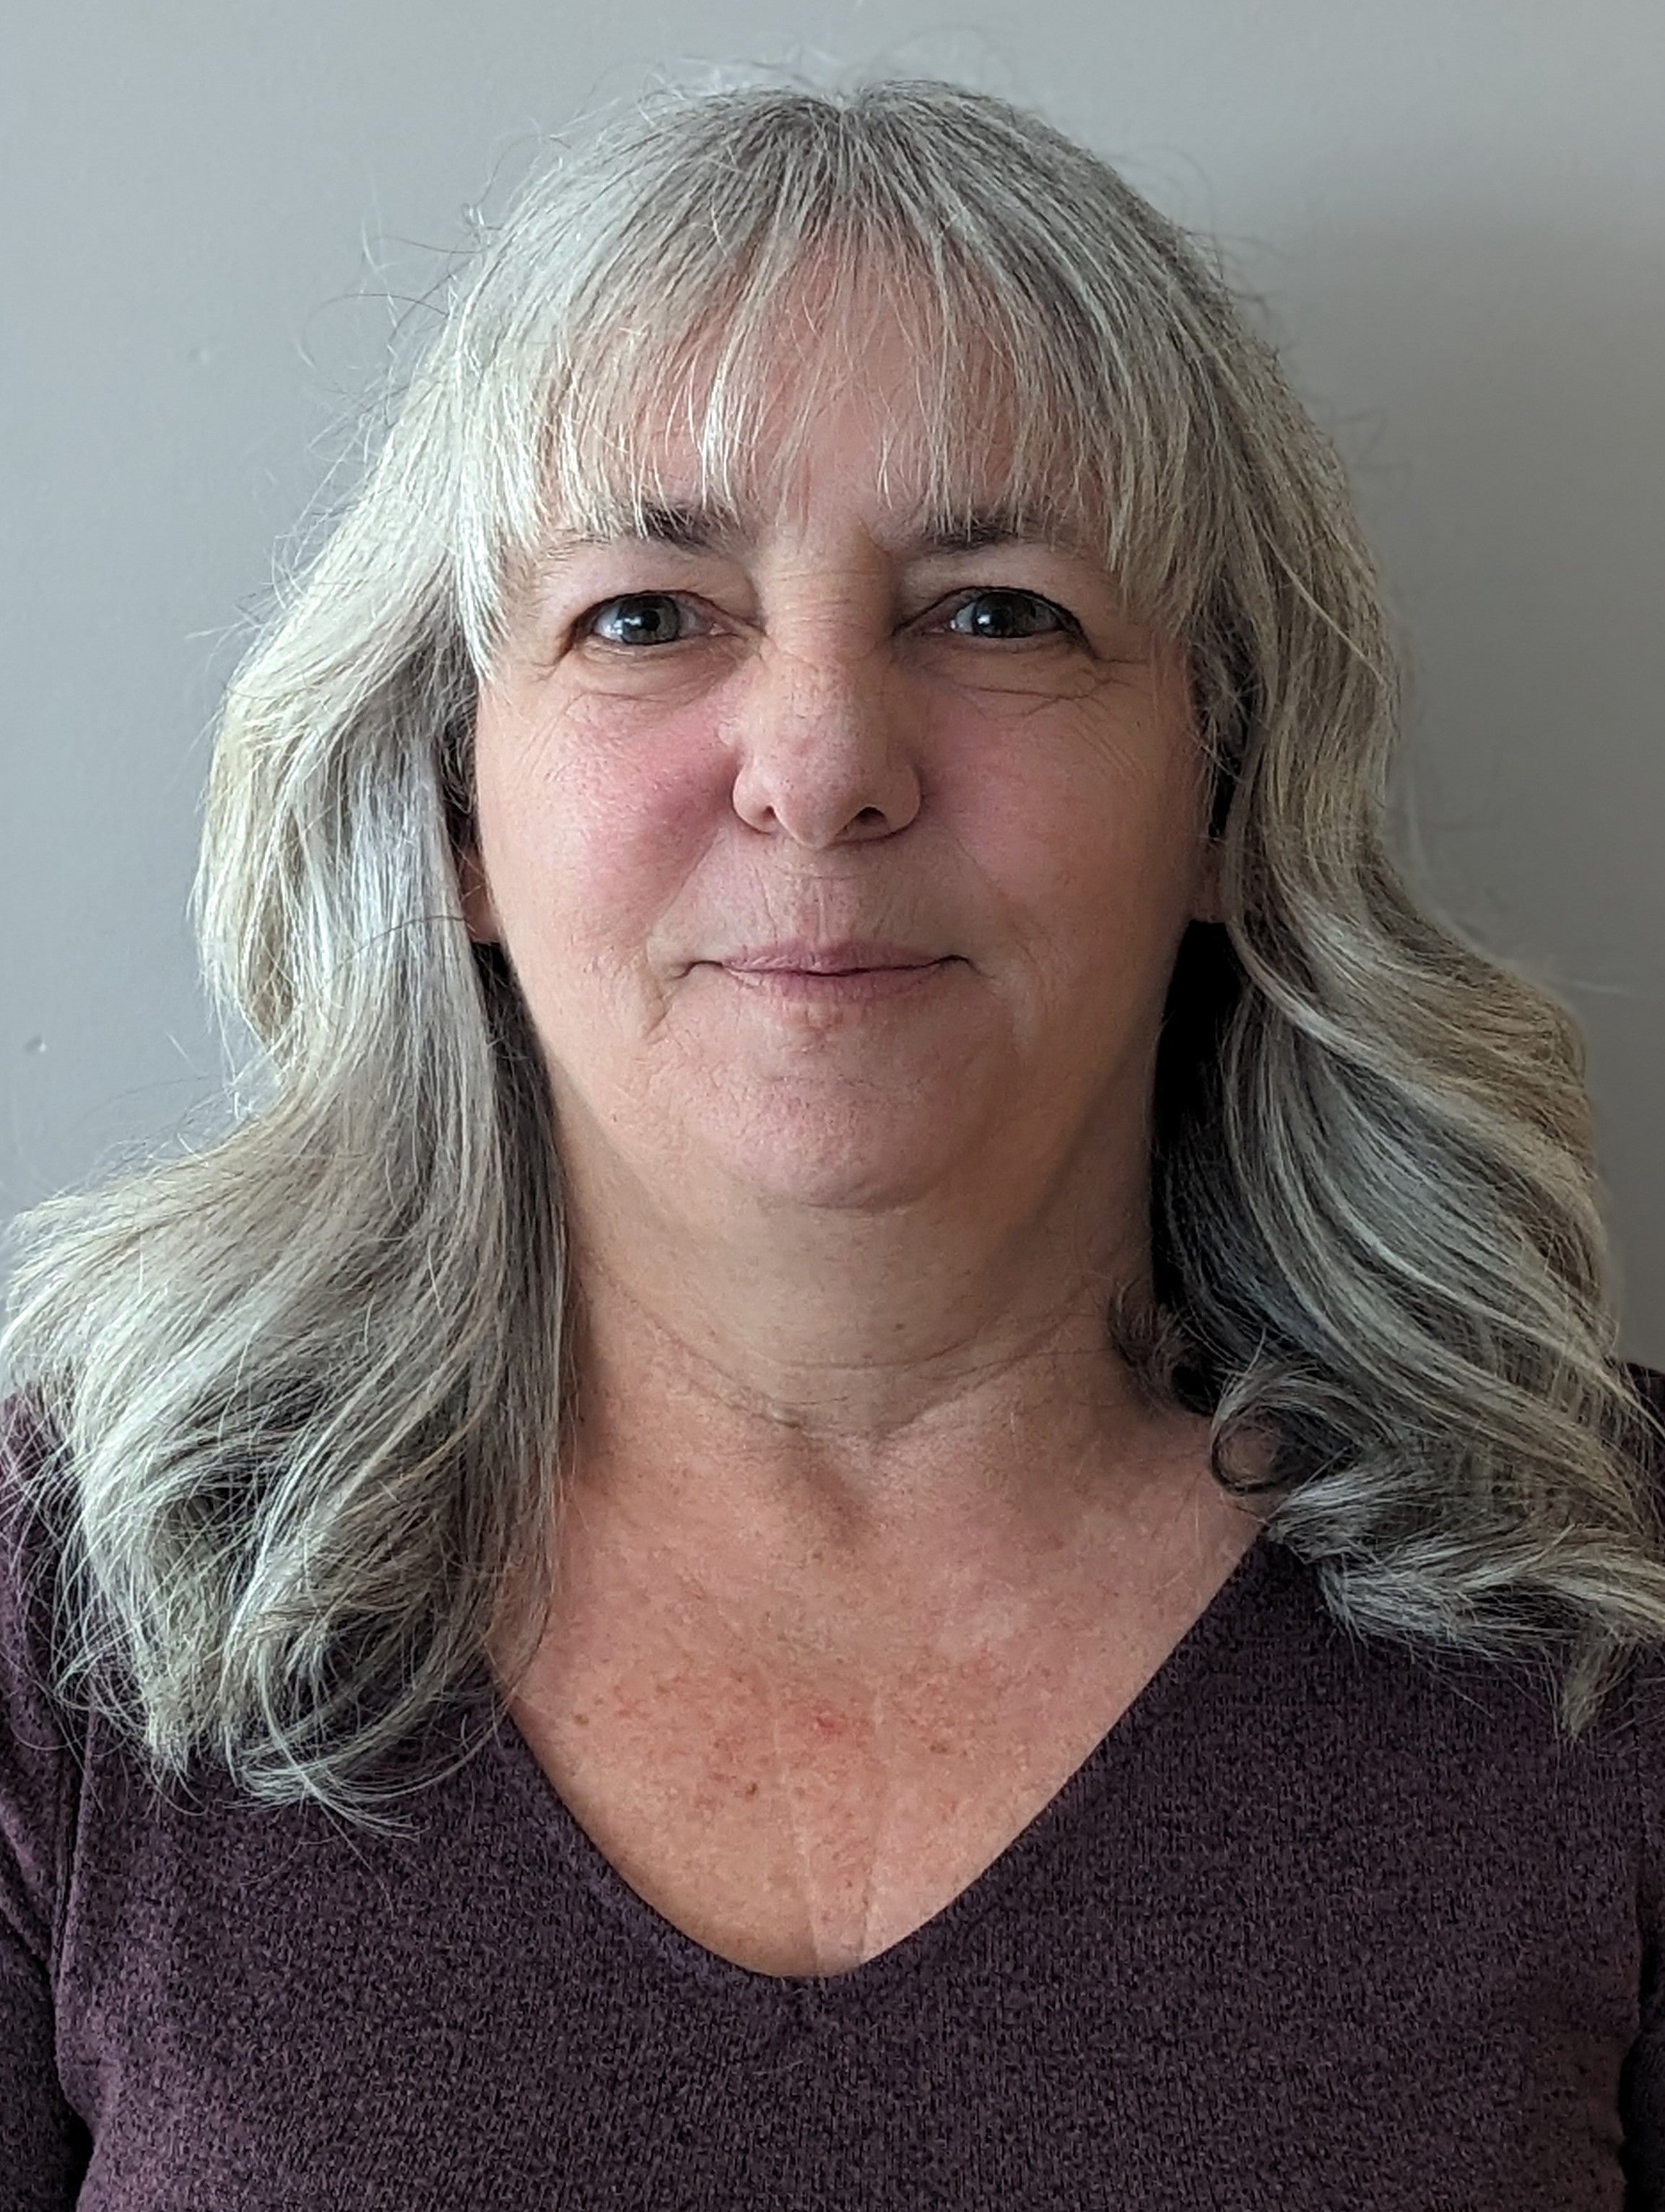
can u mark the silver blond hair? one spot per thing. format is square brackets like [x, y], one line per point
[300, 1394]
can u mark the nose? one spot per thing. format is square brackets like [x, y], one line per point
[824, 748]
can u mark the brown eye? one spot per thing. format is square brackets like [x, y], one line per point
[638, 618]
[1001, 614]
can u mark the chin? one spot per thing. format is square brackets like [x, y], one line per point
[861, 1166]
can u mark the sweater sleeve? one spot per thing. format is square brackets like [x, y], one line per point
[1642, 2087]
[44, 2145]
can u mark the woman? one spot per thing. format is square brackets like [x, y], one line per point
[881, 1260]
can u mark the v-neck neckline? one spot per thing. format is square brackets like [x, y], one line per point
[546, 1810]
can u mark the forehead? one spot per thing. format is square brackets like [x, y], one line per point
[701, 442]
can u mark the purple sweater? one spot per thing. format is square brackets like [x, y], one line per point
[1324, 1924]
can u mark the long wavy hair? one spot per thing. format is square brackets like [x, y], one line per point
[299, 1398]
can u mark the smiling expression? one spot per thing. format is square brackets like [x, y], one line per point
[840, 858]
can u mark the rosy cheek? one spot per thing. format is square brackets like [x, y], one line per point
[627, 803]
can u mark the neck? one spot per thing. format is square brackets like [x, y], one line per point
[930, 1382]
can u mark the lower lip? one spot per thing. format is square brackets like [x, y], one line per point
[855, 986]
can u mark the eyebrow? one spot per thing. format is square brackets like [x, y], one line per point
[701, 525]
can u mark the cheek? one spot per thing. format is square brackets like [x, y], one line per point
[587, 835]
[1090, 841]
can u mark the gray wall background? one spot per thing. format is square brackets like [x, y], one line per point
[219, 211]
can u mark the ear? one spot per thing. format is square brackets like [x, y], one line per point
[478, 910]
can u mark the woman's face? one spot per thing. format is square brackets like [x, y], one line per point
[836, 867]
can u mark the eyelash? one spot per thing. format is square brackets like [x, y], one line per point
[1067, 624]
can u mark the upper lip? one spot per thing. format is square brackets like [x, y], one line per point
[817, 959]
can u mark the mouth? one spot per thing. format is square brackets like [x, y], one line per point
[848, 974]
[852, 957]
[841, 987]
